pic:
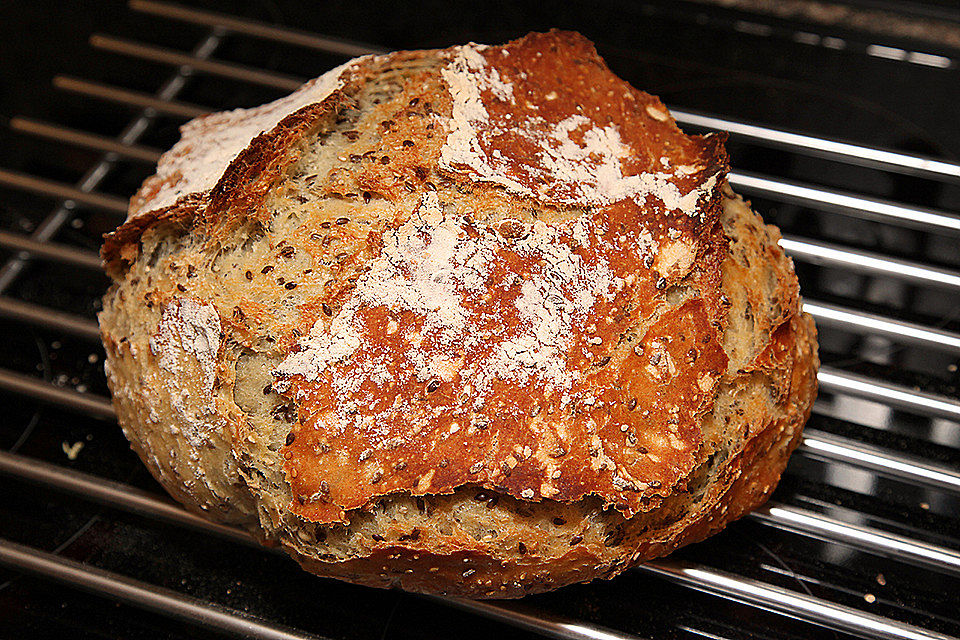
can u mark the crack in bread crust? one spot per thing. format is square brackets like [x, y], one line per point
[479, 321]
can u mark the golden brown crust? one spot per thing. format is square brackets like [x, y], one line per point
[520, 442]
[481, 321]
[466, 568]
[746, 480]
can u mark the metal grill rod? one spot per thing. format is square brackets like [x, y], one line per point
[832, 255]
[87, 403]
[852, 384]
[780, 190]
[772, 598]
[48, 318]
[113, 494]
[169, 56]
[540, 622]
[83, 139]
[866, 539]
[51, 251]
[856, 154]
[140, 594]
[831, 149]
[827, 446]
[255, 28]
[832, 315]
[128, 97]
[778, 599]
[43, 187]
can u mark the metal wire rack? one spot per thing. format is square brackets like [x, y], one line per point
[853, 395]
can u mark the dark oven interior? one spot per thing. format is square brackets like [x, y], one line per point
[843, 132]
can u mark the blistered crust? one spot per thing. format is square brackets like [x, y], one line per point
[497, 272]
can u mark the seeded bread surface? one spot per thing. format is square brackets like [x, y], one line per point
[478, 321]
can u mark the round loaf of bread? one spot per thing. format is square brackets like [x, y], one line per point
[477, 321]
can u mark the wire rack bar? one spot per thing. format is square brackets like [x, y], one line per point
[867, 539]
[169, 56]
[128, 97]
[539, 621]
[861, 321]
[844, 203]
[113, 494]
[780, 600]
[87, 403]
[62, 134]
[49, 319]
[51, 251]
[859, 261]
[897, 396]
[826, 446]
[255, 28]
[141, 594]
[53, 189]
[823, 147]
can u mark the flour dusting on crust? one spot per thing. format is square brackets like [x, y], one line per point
[435, 265]
[467, 75]
[573, 161]
[186, 345]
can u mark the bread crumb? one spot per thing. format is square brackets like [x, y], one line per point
[869, 597]
[72, 450]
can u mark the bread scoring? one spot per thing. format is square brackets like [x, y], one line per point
[493, 275]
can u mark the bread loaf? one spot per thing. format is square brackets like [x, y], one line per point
[478, 321]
